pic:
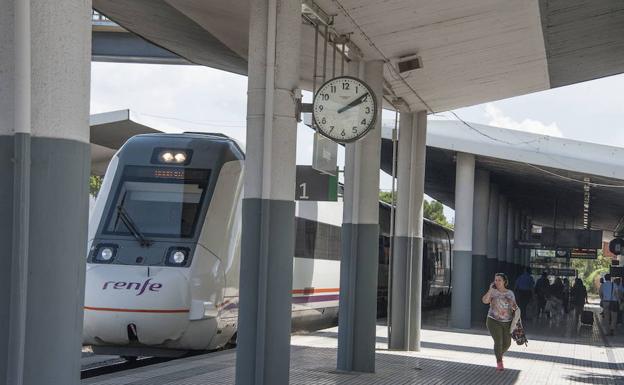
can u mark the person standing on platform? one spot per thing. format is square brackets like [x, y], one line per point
[556, 296]
[566, 295]
[502, 303]
[579, 298]
[618, 285]
[541, 289]
[524, 289]
[609, 295]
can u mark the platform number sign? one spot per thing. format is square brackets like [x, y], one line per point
[344, 109]
[312, 185]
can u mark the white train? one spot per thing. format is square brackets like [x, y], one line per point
[164, 250]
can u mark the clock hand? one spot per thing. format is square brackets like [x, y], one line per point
[353, 103]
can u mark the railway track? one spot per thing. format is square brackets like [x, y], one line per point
[118, 366]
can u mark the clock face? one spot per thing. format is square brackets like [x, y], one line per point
[344, 109]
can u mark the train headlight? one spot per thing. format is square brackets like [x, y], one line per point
[167, 157]
[177, 256]
[172, 156]
[104, 253]
[180, 157]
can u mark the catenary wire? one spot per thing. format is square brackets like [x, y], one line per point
[398, 77]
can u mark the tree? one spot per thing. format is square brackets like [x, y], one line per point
[386, 196]
[95, 183]
[589, 269]
[431, 210]
[435, 211]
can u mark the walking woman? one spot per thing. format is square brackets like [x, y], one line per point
[502, 305]
[579, 298]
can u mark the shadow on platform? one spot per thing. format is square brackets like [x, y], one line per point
[312, 365]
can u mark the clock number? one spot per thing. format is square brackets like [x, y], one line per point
[343, 133]
[323, 121]
[363, 122]
[331, 128]
[345, 86]
[332, 89]
[367, 110]
[357, 89]
[354, 130]
[320, 107]
[325, 97]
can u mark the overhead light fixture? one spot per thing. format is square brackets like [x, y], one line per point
[409, 63]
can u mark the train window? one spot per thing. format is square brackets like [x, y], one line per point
[157, 206]
[317, 240]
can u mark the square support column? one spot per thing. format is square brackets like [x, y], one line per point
[479, 242]
[516, 250]
[406, 291]
[44, 194]
[462, 251]
[502, 233]
[360, 242]
[509, 260]
[492, 233]
[268, 239]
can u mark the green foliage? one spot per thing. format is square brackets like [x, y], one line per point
[431, 210]
[386, 196]
[591, 280]
[435, 211]
[588, 269]
[95, 183]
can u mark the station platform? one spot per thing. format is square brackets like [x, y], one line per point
[559, 352]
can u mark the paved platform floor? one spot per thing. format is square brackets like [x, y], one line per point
[559, 352]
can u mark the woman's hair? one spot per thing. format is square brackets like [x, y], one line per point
[578, 281]
[504, 277]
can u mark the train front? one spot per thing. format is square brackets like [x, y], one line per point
[152, 284]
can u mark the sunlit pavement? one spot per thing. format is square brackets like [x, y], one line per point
[559, 352]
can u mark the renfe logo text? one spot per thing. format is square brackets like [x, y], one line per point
[137, 286]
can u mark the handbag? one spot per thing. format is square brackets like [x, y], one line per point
[519, 335]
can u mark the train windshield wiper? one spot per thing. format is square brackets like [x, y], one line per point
[127, 221]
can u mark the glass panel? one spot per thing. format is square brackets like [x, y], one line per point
[157, 207]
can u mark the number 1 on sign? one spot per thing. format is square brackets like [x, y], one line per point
[303, 191]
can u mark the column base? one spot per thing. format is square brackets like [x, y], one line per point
[461, 298]
[357, 315]
[267, 248]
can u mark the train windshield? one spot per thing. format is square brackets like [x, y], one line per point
[158, 202]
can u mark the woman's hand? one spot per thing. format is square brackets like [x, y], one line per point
[487, 297]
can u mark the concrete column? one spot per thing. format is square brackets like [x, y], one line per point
[517, 252]
[462, 252]
[502, 233]
[509, 240]
[267, 247]
[406, 296]
[44, 171]
[479, 242]
[360, 236]
[527, 235]
[492, 234]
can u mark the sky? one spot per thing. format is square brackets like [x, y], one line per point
[175, 98]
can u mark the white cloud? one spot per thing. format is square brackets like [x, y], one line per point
[498, 118]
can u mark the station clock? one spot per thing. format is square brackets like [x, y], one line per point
[344, 109]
